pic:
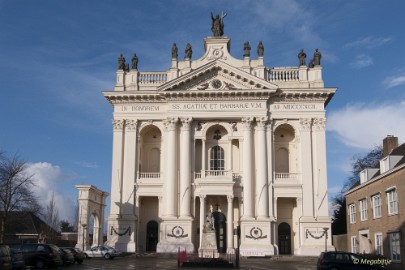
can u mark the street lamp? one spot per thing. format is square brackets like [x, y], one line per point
[83, 232]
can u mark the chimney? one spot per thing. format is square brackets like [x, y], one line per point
[389, 143]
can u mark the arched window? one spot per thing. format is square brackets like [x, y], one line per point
[217, 161]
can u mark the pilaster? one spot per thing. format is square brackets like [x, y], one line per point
[307, 166]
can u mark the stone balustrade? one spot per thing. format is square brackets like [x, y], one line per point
[278, 176]
[152, 78]
[282, 74]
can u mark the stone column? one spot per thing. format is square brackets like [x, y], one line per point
[248, 195]
[307, 167]
[203, 159]
[270, 160]
[170, 168]
[229, 158]
[262, 194]
[229, 225]
[129, 170]
[117, 160]
[185, 169]
[202, 217]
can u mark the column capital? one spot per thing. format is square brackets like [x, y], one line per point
[186, 122]
[319, 124]
[118, 124]
[247, 122]
[202, 196]
[131, 124]
[170, 123]
[229, 198]
[262, 122]
[305, 124]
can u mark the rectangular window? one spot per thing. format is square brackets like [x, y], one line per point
[352, 213]
[392, 202]
[363, 210]
[376, 205]
[378, 244]
[354, 244]
[395, 246]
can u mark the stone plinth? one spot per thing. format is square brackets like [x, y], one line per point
[209, 248]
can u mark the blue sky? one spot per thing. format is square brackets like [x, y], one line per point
[56, 58]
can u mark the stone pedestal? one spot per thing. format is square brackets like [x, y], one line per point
[256, 239]
[209, 248]
[175, 235]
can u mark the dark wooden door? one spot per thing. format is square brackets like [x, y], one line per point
[284, 238]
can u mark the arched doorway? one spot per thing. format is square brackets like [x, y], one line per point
[220, 230]
[284, 238]
[152, 229]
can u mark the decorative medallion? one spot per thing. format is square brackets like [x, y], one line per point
[216, 84]
[177, 232]
[256, 233]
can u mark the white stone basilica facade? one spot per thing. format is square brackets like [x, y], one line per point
[223, 136]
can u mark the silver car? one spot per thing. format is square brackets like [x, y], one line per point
[101, 251]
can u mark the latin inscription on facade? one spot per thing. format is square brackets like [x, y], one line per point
[140, 108]
[296, 107]
[208, 106]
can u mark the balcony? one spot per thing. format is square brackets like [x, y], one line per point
[282, 176]
[149, 175]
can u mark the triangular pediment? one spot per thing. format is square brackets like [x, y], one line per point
[217, 76]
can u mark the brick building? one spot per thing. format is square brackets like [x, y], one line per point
[376, 212]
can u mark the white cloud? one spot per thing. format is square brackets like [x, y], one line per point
[291, 17]
[47, 177]
[394, 81]
[362, 61]
[91, 165]
[369, 42]
[365, 126]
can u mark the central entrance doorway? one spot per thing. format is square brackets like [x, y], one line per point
[152, 229]
[284, 238]
[220, 230]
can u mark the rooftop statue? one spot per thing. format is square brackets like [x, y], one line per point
[246, 49]
[218, 25]
[317, 57]
[174, 51]
[135, 61]
[121, 62]
[301, 56]
[260, 49]
[188, 51]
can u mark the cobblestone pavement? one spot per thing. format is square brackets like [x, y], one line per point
[169, 262]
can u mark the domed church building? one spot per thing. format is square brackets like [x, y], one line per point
[220, 153]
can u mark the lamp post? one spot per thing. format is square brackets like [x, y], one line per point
[325, 231]
[83, 232]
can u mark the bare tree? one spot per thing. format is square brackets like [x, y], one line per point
[16, 190]
[51, 217]
[359, 163]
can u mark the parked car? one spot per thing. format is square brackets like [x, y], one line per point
[101, 251]
[40, 255]
[5, 258]
[77, 254]
[17, 259]
[346, 261]
[67, 256]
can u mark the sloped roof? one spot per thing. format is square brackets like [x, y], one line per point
[24, 223]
